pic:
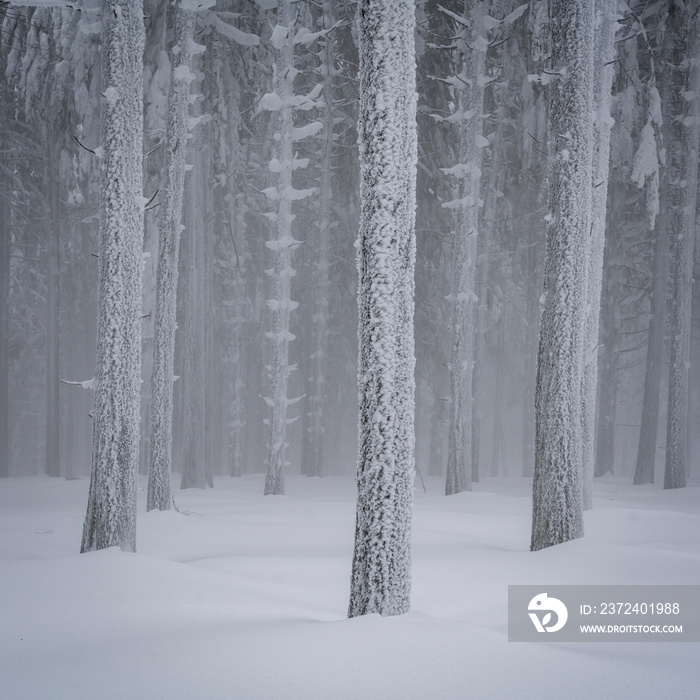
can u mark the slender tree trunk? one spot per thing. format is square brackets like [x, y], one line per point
[463, 294]
[169, 227]
[319, 358]
[282, 248]
[194, 469]
[437, 423]
[646, 451]
[604, 57]
[677, 419]
[4, 323]
[557, 508]
[53, 439]
[381, 578]
[111, 510]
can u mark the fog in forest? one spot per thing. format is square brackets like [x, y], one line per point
[51, 89]
[377, 297]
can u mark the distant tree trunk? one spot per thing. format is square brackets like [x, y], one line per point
[497, 434]
[4, 320]
[610, 351]
[646, 452]
[557, 514]
[677, 419]
[281, 304]
[53, 440]
[437, 423]
[470, 105]
[604, 70]
[381, 578]
[194, 468]
[111, 510]
[319, 358]
[182, 24]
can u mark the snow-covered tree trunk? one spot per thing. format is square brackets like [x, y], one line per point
[557, 514]
[470, 108]
[666, 193]
[320, 319]
[282, 100]
[381, 579]
[604, 72]
[111, 510]
[677, 419]
[282, 247]
[169, 228]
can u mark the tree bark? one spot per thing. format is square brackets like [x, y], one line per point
[677, 419]
[111, 511]
[381, 578]
[182, 26]
[557, 514]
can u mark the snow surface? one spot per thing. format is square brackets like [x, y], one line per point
[246, 596]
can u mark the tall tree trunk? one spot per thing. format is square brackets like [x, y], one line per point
[609, 361]
[470, 106]
[677, 419]
[111, 510]
[4, 321]
[182, 27]
[646, 451]
[381, 578]
[319, 358]
[53, 439]
[557, 514]
[194, 467]
[282, 247]
[604, 58]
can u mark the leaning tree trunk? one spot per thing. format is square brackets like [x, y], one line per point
[381, 577]
[677, 419]
[174, 165]
[557, 513]
[604, 57]
[111, 510]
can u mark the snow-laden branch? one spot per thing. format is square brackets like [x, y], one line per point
[212, 19]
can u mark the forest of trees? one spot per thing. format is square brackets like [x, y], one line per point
[202, 202]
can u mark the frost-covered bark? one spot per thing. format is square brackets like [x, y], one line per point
[557, 514]
[677, 419]
[604, 71]
[111, 510]
[469, 112]
[381, 578]
[181, 47]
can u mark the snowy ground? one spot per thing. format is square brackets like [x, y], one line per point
[244, 596]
